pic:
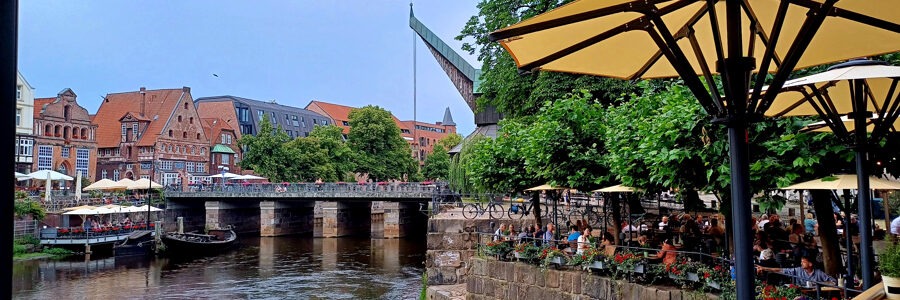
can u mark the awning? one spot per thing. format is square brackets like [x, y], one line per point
[219, 148]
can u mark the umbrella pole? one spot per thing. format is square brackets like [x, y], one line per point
[865, 200]
[848, 241]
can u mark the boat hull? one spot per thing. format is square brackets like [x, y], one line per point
[189, 244]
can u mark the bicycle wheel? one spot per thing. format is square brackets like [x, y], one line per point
[470, 211]
[516, 211]
[592, 218]
[545, 211]
[496, 211]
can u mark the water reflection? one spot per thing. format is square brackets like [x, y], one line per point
[268, 268]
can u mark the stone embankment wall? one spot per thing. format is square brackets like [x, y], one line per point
[452, 243]
[491, 279]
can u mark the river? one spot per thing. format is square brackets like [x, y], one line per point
[261, 268]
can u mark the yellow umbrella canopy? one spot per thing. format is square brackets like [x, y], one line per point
[143, 184]
[546, 187]
[104, 184]
[617, 189]
[799, 96]
[849, 125]
[843, 182]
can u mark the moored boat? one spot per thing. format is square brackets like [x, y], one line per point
[184, 244]
[138, 243]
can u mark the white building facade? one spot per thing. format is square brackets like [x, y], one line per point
[24, 125]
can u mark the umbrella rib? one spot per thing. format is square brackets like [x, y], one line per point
[664, 39]
[779, 20]
[633, 25]
[711, 84]
[852, 15]
[826, 110]
[887, 119]
[683, 32]
[584, 16]
[813, 21]
[714, 26]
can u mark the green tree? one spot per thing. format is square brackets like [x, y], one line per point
[379, 149]
[437, 164]
[24, 206]
[309, 161]
[340, 157]
[450, 140]
[502, 85]
[267, 154]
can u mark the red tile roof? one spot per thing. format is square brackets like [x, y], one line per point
[39, 105]
[159, 107]
[213, 128]
[340, 113]
[223, 110]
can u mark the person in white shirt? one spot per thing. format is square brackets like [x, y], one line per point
[664, 223]
[895, 226]
[500, 233]
[628, 227]
[762, 221]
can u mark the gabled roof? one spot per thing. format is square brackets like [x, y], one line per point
[213, 127]
[159, 107]
[340, 113]
[134, 115]
[39, 105]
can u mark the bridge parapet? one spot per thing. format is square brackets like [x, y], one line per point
[409, 190]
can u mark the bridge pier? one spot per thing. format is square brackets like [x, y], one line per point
[402, 219]
[343, 219]
[191, 211]
[284, 218]
[244, 216]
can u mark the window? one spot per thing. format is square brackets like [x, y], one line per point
[45, 157]
[272, 118]
[124, 130]
[134, 130]
[243, 114]
[25, 148]
[146, 165]
[18, 117]
[346, 123]
[65, 152]
[179, 119]
[294, 121]
[104, 175]
[129, 166]
[184, 134]
[185, 107]
[193, 150]
[189, 167]
[260, 114]
[200, 167]
[19, 93]
[290, 133]
[198, 135]
[202, 150]
[66, 113]
[191, 120]
[145, 176]
[225, 158]
[115, 175]
[247, 129]
[82, 158]
[170, 132]
[165, 165]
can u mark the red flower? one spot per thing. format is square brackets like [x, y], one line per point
[706, 275]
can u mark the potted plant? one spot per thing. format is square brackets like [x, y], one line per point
[497, 248]
[889, 263]
[714, 276]
[767, 292]
[526, 251]
[553, 256]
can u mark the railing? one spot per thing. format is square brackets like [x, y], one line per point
[22, 228]
[89, 233]
[378, 190]
[57, 205]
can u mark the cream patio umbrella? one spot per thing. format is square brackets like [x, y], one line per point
[617, 189]
[143, 184]
[695, 40]
[855, 90]
[547, 187]
[104, 185]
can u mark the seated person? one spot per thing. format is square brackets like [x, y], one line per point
[667, 253]
[805, 272]
[583, 242]
[574, 233]
[608, 245]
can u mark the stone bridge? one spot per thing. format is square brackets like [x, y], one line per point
[382, 210]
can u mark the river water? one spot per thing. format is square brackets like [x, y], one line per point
[261, 268]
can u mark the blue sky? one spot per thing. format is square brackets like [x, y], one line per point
[348, 52]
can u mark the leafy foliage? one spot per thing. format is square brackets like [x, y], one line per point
[267, 153]
[450, 140]
[437, 164]
[380, 150]
[25, 207]
[502, 86]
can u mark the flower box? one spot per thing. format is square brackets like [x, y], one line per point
[693, 277]
[714, 285]
[522, 256]
[557, 260]
[598, 265]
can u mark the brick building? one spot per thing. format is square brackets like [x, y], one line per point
[64, 136]
[224, 151]
[24, 125]
[244, 115]
[140, 128]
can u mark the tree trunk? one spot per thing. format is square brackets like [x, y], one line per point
[617, 217]
[536, 208]
[691, 200]
[828, 239]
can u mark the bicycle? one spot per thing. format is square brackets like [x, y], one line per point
[473, 210]
[521, 209]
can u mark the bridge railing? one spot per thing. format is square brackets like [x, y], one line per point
[303, 187]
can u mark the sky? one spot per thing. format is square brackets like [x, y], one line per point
[350, 52]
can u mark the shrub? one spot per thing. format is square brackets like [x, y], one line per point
[19, 249]
[29, 207]
[57, 251]
[889, 261]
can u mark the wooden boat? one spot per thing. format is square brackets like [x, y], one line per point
[215, 240]
[138, 243]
